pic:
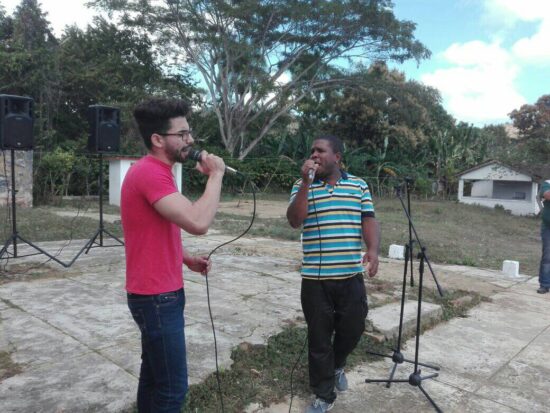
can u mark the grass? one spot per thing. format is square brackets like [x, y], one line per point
[453, 233]
[8, 368]
[42, 224]
[261, 373]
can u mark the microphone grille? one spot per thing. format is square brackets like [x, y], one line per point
[194, 155]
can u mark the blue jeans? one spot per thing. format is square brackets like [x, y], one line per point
[163, 377]
[544, 272]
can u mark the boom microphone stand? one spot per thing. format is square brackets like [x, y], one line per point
[101, 229]
[415, 378]
[12, 239]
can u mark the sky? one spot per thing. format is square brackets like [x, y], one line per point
[489, 57]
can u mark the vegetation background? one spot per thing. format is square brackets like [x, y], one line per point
[264, 79]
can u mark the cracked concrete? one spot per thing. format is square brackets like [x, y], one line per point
[71, 334]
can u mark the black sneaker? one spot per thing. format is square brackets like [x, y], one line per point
[543, 290]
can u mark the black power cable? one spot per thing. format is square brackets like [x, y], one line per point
[208, 294]
[318, 280]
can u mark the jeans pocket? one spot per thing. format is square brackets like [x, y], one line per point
[167, 299]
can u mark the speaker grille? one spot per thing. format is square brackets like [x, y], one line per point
[16, 122]
[104, 129]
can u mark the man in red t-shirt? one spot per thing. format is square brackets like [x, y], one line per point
[153, 213]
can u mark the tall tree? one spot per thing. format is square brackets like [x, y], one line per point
[532, 150]
[28, 56]
[533, 121]
[259, 58]
[105, 64]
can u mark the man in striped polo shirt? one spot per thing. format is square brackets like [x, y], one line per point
[336, 211]
[544, 272]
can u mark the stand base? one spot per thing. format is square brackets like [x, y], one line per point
[5, 254]
[415, 379]
[99, 233]
[12, 240]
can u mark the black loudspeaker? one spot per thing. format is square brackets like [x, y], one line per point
[104, 129]
[16, 122]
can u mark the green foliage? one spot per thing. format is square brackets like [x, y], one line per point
[533, 121]
[246, 51]
[53, 174]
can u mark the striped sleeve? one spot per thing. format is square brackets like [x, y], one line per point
[367, 207]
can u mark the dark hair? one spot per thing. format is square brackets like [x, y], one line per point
[334, 142]
[153, 116]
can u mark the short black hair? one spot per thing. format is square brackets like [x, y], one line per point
[334, 142]
[153, 116]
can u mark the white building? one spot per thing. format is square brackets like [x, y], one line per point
[118, 167]
[493, 183]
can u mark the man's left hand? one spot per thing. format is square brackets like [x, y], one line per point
[200, 264]
[370, 259]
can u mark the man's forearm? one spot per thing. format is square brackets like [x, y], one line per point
[207, 205]
[297, 210]
[371, 234]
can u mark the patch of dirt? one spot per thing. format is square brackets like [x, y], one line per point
[30, 272]
[264, 208]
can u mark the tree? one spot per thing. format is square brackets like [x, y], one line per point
[108, 65]
[532, 149]
[533, 121]
[259, 58]
[28, 56]
[385, 104]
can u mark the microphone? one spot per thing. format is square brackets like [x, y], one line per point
[195, 155]
[311, 174]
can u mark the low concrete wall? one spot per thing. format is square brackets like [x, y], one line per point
[516, 207]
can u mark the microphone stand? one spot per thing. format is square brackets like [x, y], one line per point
[415, 378]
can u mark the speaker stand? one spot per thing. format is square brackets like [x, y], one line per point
[14, 237]
[101, 229]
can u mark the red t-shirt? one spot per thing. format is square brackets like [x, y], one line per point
[154, 253]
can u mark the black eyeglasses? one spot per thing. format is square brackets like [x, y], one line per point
[183, 134]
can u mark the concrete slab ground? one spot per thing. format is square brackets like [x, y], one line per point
[73, 346]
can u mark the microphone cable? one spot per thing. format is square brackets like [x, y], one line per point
[252, 185]
[318, 280]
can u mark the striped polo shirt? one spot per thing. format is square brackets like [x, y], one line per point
[331, 234]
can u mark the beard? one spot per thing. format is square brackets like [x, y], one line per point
[178, 155]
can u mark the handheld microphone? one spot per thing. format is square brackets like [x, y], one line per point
[195, 155]
[311, 174]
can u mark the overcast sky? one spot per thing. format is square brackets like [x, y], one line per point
[488, 56]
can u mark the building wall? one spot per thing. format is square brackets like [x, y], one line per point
[482, 189]
[514, 206]
[528, 206]
[119, 166]
[23, 178]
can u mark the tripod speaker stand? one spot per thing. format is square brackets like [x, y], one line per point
[415, 378]
[101, 229]
[14, 237]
